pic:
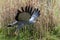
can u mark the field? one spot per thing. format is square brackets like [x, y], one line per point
[47, 26]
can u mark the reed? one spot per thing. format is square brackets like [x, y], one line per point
[45, 23]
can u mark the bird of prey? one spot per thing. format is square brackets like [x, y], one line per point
[34, 14]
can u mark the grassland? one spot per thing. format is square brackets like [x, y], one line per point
[42, 30]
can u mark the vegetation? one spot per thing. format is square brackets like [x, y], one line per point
[47, 26]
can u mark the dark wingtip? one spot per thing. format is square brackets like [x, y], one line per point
[39, 12]
[22, 9]
[18, 11]
[31, 8]
[26, 9]
[9, 26]
[16, 18]
[33, 11]
[36, 10]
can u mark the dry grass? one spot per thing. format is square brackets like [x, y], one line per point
[45, 23]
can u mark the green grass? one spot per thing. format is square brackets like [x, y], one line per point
[29, 32]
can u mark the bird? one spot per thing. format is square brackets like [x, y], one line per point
[34, 14]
